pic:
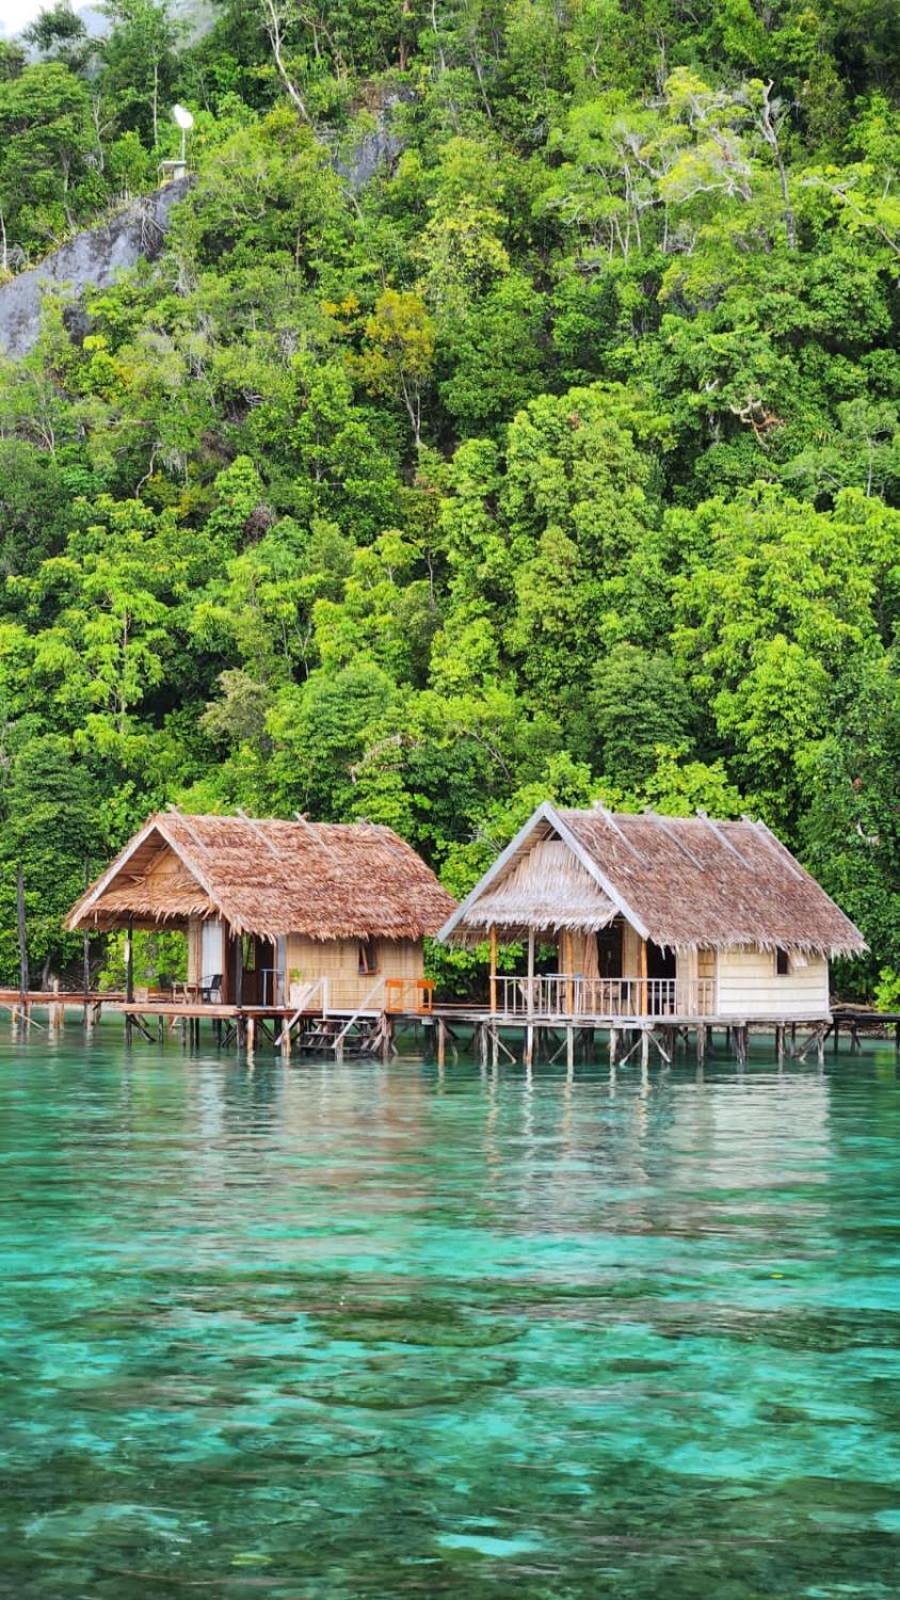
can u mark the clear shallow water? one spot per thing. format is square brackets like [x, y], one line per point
[325, 1331]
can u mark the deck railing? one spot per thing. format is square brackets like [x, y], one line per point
[561, 994]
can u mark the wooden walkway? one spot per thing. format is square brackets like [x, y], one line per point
[490, 1034]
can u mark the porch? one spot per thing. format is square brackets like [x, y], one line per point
[564, 996]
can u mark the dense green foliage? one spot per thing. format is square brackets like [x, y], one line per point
[560, 457]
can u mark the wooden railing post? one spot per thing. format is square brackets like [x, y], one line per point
[493, 939]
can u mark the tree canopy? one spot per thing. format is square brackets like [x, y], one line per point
[512, 412]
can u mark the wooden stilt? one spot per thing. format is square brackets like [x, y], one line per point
[570, 1048]
[645, 1049]
[22, 936]
[129, 976]
[441, 1041]
[613, 1045]
[779, 1046]
[86, 962]
[239, 971]
[529, 1047]
[701, 1043]
[251, 1035]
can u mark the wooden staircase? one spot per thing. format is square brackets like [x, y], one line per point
[362, 1036]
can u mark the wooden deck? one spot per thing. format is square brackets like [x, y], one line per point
[512, 1032]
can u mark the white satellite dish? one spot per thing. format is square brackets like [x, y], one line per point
[185, 122]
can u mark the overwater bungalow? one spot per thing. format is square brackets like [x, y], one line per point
[654, 921]
[279, 917]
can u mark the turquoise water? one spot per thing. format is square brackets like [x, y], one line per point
[323, 1331]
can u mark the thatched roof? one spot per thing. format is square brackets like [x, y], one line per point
[682, 882]
[549, 886]
[266, 877]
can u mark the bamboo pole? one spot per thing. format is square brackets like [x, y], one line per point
[129, 974]
[22, 934]
[240, 1032]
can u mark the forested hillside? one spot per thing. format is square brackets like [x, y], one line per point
[552, 451]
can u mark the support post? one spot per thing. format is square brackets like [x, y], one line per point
[493, 937]
[22, 938]
[129, 976]
[779, 1045]
[570, 1048]
[530, 971]
[240, 1027]
[645, 1049]
[239, 971]
[567, 963]
[613, 1046]
[701, 1043]
[529, 1047]
[642, 968]
[86, 962]
[441, 1042]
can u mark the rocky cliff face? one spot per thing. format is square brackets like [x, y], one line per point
[91, 260]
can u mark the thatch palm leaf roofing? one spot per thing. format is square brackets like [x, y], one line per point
[269, 877]
[682, 882]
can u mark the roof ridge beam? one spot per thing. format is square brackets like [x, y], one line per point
[663, 824]
[314, 835]
[175, 811]
[724, 839]
[253, 823]
[776, 848]
[381, 830]
[611, 822]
